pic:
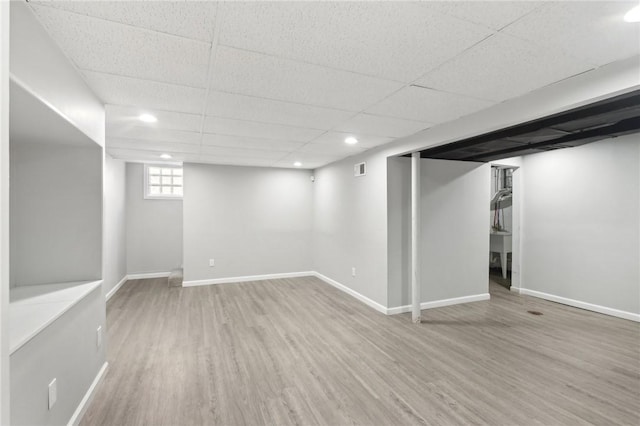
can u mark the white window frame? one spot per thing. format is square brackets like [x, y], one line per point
[148, 196]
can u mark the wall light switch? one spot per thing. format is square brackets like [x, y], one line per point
[353, 271]
[99, 336]
[212, 262]
[53, 393]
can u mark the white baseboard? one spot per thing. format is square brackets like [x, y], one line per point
[148, 275]
[195, 283]
[375, 305]
[582, 305]
[86, 400]
[116, 287]
[515, 289]
[440, 303]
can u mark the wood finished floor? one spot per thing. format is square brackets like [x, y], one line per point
[297, 351]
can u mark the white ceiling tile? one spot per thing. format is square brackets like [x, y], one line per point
[125, 116]
[234, 161]
[493, 14]
[255, 74]
[369, 124]
[227, 126]
[151, 133]
[162, 147]
[417, 103]
[114, 89]
[592, 30]
[332, 150]
[268, 111]
[503, 67]
[241, 152]
[336, 139]
[99, 45]
[394, 40]
[309, 160]
[146, 155]
[187, 19]
[249, 143]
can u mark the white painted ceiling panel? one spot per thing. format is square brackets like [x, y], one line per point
[493, 14]
[330, 149]
[227, 126]
[503, 67]
[255, 74]
[417, 103]
[336, 139]
[147, 156]
[380, 125]
[241, 152]
[113, 89]
[160, 147]
[194, 20]
[398, 41]
[249, 142]
[127, 116]
[593, 30]
[234, 161]
[309, 160]
[149, 132]
[99, 45]
[269, 111]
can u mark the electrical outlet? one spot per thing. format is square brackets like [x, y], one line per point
[99, 336]
[353, 271]
[212, 262]
[53, 393]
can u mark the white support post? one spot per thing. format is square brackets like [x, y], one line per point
[415, 237]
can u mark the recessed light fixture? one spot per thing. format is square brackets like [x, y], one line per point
[297, 164]
[147, 118]
[166, 157]
[633, 15]
[351, 140]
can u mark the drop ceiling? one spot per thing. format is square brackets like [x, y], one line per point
[271, 83]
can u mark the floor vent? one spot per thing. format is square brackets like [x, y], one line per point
[534, 312]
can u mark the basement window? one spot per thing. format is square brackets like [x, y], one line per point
[162, 182]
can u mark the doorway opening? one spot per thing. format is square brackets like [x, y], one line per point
[501, 237]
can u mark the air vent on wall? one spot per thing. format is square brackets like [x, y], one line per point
[360, 169]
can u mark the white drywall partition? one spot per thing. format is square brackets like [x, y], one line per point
[154, 228]
[115, 256]
[349, 227]
[251, 221]
[581, 224]
[454, 230]
[4, 212]
[56, 213]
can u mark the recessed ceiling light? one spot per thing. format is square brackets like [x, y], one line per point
[166, 157]
[297, 164]
[633, 15]
[351, 140]
[147, 118]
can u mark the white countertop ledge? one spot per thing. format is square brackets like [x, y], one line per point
[33, 308]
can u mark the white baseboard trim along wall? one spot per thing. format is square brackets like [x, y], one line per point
[116, 287]
[582, 305]
[195, 283]
[377, 306]
[86, 400]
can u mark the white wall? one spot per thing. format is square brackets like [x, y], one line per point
[115, 244]
[65, 350]
[581, 223]
[349, 229]
[251, 220]
[56, 213]
[454, 231]
[4, 213]
[39, 64]
[154, 228]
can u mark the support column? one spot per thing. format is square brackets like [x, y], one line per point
[415, 237]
